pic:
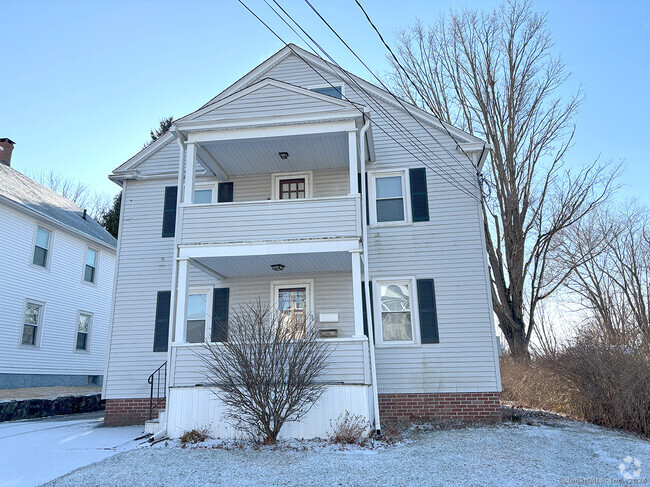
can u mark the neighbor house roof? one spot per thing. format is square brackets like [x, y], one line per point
[21, 192]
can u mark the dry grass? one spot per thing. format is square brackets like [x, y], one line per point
[348, 429]
[193, 437]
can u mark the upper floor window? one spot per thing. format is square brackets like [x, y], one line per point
[83, 331]
[389, 193]
[32, 323]
[336, 91]
[90, 269]
[41, 247]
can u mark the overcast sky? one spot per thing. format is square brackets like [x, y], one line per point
[84, 82]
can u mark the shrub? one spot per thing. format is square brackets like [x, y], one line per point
[348, 428]
[194, 436]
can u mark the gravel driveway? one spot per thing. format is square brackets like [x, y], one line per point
[557, 452]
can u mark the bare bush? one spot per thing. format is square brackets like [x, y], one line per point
[193, 437]
[348, 428]
[269, 369]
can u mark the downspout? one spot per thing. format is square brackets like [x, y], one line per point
[366, 276]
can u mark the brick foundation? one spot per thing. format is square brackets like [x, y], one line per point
[123, 412]
[459, 405]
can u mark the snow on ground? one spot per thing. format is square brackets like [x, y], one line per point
[556, 452]
[34, 451]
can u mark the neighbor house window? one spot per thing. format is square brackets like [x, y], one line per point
[83, 330]
[197, 306]
[389, 198]
[396, 312]
[90, 269]
[336, 91]
[31, 323]
[41, 247]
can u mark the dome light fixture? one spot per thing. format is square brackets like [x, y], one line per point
[283, 155]
[277, 267]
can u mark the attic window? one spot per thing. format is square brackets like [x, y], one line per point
[336, 91]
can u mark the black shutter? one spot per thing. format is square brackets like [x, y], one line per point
[169, 211]
[225, 193]
[220, 314]
[161, 330]
[367, 207]
[363, 302]
[428, 315]
[419, 196]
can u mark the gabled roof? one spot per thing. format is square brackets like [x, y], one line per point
[23, 193]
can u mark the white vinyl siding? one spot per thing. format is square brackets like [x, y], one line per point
[62, 293]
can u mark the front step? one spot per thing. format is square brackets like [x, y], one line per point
[152, 426]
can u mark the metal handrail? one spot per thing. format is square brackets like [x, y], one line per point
[156, 377]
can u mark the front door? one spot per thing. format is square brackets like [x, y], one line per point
[292, 189]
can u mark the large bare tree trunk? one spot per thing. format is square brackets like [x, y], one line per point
[492, 73]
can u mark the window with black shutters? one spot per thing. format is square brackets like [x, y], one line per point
[161, 328]
[169, 211]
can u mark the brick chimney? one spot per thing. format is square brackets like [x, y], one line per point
[6, 148]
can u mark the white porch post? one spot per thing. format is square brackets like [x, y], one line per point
[356, 293]
[190, 168]
[181, 300]
[352, 159]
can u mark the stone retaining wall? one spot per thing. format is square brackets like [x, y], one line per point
[39, 408]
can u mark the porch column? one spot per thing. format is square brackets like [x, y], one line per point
[356, 293]
[190, 168]
[181, 300]
[352, 159]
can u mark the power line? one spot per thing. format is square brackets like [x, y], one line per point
[451, 182]
[390, 119]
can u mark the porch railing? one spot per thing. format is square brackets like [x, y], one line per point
[158, 382]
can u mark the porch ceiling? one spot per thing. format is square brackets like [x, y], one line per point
[260, 265]
[261, 155]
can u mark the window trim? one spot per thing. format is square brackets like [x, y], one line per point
[83, 269]
[208, 312]
[308, 284]
[88, 335]
[415, 318]
[327, 85]
[48, 257]
[39, 325]
[372, 194]
[277, 177]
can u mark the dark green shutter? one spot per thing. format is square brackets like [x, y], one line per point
[427, 309]
[169, 211]
[161, 330]
[363, 302]
[419, 196]
[225, 193]
[220, 314]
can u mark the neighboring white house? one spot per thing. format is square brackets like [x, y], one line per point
[262, 193]
[57, 269]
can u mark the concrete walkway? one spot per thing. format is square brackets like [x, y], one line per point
[35, 451]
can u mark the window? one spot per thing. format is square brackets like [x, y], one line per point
[83, 331]
[90, 269]
[335, 91]
[395, 307]
[197, 306]
[31, 323]
[203, 196]
[292, 186]
[292, 300]
[389, 194]
[291, 189]
[41, 247]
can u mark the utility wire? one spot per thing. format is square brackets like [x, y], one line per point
[451, 182]
[390, 119]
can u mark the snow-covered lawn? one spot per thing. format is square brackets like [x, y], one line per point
[34, 451]
[552, 453]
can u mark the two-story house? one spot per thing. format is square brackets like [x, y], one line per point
[297, 185]
[56, 268]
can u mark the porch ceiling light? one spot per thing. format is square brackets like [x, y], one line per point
[283, 155]
[277, 267]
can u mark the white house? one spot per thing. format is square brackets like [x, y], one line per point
[297, 185]
[57, 269]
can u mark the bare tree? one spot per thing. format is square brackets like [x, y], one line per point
[613, 284]
[94, 202]
[493, 74]
[269, 369]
